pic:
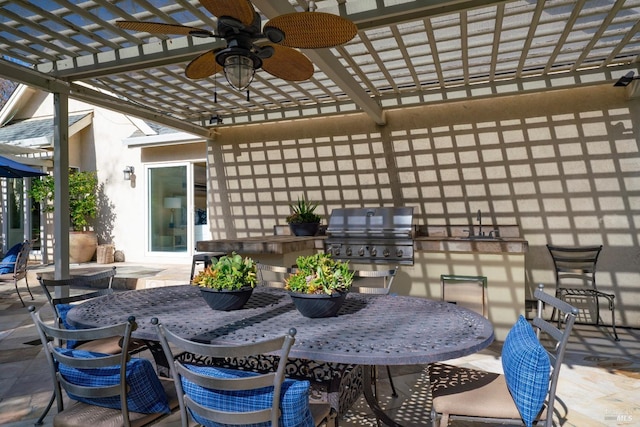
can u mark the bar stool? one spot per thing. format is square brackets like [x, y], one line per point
[205, 259]
[453, 278]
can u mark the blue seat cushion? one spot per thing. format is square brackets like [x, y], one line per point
[294, 398]
[145, 395]
[63, 309]
[526, 368]
[9, 261]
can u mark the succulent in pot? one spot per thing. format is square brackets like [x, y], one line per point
[320, 285]
[229, 272]
[303, 220]
[228, 282]
[303, 212]
[320, 274]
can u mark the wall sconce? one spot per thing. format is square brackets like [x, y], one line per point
[128, 171]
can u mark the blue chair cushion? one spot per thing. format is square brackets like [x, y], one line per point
[526, 368]
[9, 261]
[145, 395]
[63, 309]
[294, 398]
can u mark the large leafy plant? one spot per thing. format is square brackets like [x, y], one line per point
[303, 212]
[83, 197]
[229, 273]
[320, 274]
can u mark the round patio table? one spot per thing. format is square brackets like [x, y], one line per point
[368, 330]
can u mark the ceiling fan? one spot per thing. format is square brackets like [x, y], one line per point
[250, 48]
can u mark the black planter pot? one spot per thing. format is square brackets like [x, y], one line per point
[226, 300]
[304, 228]
[315, 305]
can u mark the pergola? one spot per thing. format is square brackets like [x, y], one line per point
[406, 53]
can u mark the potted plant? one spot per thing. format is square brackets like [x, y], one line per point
[83, 208]
[320, 285]
[303, 220]
[228, 282]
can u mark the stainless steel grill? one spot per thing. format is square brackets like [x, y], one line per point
[382, 235]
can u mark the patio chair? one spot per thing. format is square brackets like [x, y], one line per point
[79, 289]
[105, 389]
[364, 283]
[203, 258]
[229, 396]
[339, 384]
[524, 393]
[273, 276]
[13, 266]
[575, 271]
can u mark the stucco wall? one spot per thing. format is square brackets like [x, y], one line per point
[563, 165]
[99, 147]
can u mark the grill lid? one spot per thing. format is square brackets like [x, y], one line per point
[364, 222]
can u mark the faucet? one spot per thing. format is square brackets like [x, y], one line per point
[479, 218]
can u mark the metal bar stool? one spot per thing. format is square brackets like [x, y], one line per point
[205, 259]
[481, 280]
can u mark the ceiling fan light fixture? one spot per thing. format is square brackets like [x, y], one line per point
[239, 71]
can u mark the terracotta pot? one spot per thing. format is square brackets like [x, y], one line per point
[318, 305]
[226, 300]
[82, 246]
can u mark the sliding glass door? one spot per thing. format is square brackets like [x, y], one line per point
[168, 201]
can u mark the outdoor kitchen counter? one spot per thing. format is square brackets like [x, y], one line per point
[277, 245]
[280, 245]
[513, 245]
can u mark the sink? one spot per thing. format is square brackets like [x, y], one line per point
[479, 238]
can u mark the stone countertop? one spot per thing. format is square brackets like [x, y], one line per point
[453, 238]
[513, 245]
[276, 245]
[279, 245]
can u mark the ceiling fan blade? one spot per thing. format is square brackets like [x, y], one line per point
[313, 30]
[288, 64]
[242, 10]
[160, 28]
[203, 66]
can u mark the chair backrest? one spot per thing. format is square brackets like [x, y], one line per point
[60, 358]
[560, 337]
[273, 276]
[576, 264]
[76, 289]
[17, 263]
[243, 384]
[362, 281]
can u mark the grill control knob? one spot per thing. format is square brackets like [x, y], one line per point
[386, 253]
[361, 251]
[336, 251]
[399, 253]
[373, 251]
[348, 251]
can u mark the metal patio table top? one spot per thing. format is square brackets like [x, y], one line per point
[368, 330]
